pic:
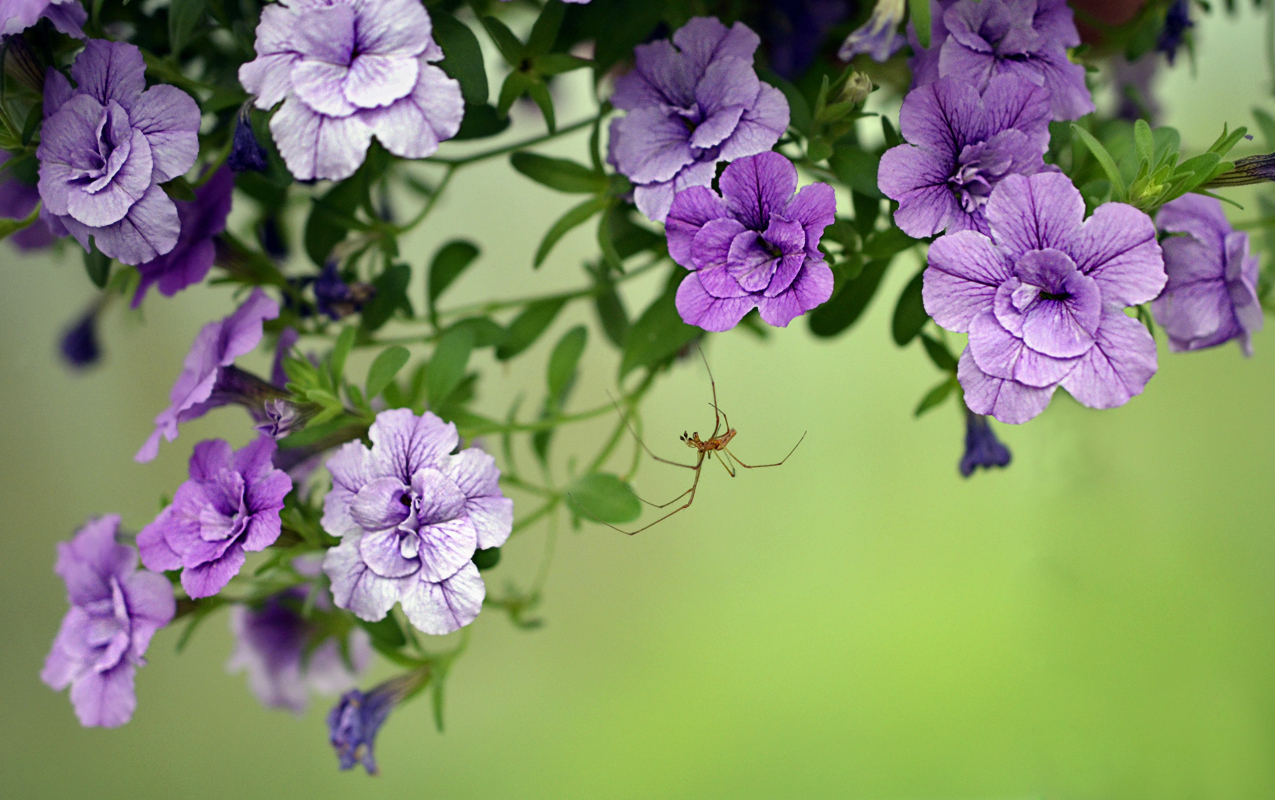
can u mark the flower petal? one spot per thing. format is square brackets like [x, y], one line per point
[1119, 364]
[1006, 400]
[439, 608]
[965, 269]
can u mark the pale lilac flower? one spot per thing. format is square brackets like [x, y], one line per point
[879, 37]
[354, 721]
[229, 506]
[1211, 296]
[115, 610]
[691, 103]
[1042, 299]
[346, 71]
[410, 515]
[208, 368]
[189, 261]
[960, 146]
[754, 246]
[68, 16]
[982, 448]
[17, 199]
[105, 148]
[976, 41]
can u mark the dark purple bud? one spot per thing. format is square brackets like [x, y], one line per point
[79, 343]
[335, 297]
[287, 338]
[271, 238]
[1250, 169]
[355, 720]
[1176, 23]
[283, 417]
[246, 153]
[982, 448]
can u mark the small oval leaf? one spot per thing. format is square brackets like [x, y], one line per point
[605, 498]
[384, 368]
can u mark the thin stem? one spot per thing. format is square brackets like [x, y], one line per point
[429, 205]
[519, 483]
[535, 516]
[1254, 224]
[500, 151]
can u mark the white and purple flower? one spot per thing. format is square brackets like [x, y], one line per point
[68, 16]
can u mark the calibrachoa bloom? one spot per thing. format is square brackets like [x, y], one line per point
[879, 36]
[17, 199]
[410, 516]
[1211, 296]
[691, 103]
[115, 610]
[354, 722]
[1042, 299]
[207, 366]
[189, 261]
[754, 246]
[79, 343]
[229, 506]
[68, 16]
[974, 41]
[105, 148]
[982, 448]
[346, 71]
[961, 146]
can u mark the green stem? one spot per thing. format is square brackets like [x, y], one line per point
[536, 515]
[500, 151]
[429, 205]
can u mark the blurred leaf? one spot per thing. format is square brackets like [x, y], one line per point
[528, 326]
[331, 217]
[612, 316]
[486, 559]
[657, 335]
[539, 93]
[857, 169]
[480, 122]
[448, 263]
[892, 137]
[887, 243]
[545, 31]
[605, 498]
[558, 63]
[576, 216]
[184, 17]
[866, 211]
[391, 295]
[1143, 143]
[936, 395]
[510, 46]
[384, 368]
[487, 333]
[385, 632]
[1104, 159]
[849, 302]
[564, 361]
[1267, 123]
[464, 56]
[341, 351]
[516, 85]
[96, 263]
[938, 353]
[561, 174]
[909, 313]
[447, 365]
[919, 11]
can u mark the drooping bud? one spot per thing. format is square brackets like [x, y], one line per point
[354, 721]
[246, 153]
[1248, 170]
[879, 37]
[982, 448]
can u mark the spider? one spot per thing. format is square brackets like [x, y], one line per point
[704, 448]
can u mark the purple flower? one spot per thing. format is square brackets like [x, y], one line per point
[283, 347]
[754, 246]
[229, 506]
[189, 261]
[210, 359]
[79, 344]
[346, 71]
[17, 199]
[879, 36]
[105, 148]
[284, 654]
[982, 448]
[1176, 24]
[976, 41]
[691, 103]
[1042, 299]
[961, 146]
[246, 153]
[1133, 85]
[68, 16]
[115, 610]
[1211, 296]
[410, 516]
[354, 721]
[333, 296]
[793, 31]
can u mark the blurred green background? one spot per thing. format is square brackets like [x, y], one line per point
[1097, 621]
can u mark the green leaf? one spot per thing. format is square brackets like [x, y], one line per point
[909, 312]
[892, 137]
[391, 295]
[857, 169]
[510, 47]
[938, 353]
[558, 63]
[486, 559]
[385, 632]
[516, 85]
[605, 498]
[341, 351]
[848, 304]
[576, 216]
[464, 56]
[1226, 141]
[384, 368]
[798, 108]
[331, 217]
[936, 396]
[96, 263]
[866, 211]
[1267, 123]
[887, 243]
[485, 330]
[447, 365]
[657, 335]
[448, 263]
[919, 10]
[564, 361]
[481, 122]
[561, 174]
[184, 16]
[545, 31]
[611, 315]
[1143, 143]
[1108, 164]
[528, 326]
[539, 93]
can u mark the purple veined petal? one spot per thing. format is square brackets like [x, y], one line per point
[751, 264]
[264, 527]
[148, 231]
[170, 119]
[1118, 366]
[719, 282]
[492, 517]
[654, 199]
[86, 562]
[712, 244]
[156, 553]
[1117, 247]
[355, 587]
[439, 608]
[57, 90]
[446, 547]
[1058, 328]
[717, 127]
[151, 606]
[473, 472]
[269, 77]
[653, 145]
[660, 76]
[399, 28]
[1065, 80]
[1010, 101]
[60, 667]
[1192, 313]
[703, 40]
[209, 458]
[413, 126]
[692, 209]
[918, 180]
[943, 116]
[317, 146]
[1000, 354]
[383, 553]
[275, 31]
[352, 468]
[326, 32]
[1007, 400]
[440, 499]
[105, 699]
[1199, 216]
[960, 282]
[376, 80]
[110, 71]
[786, 271]
[411, 443]
[964, 64]
[113, 201]
[266, 493]
[757, 186]
[377, 505]
[728, 82]
[321, 86]
[1035, 212]
[697, 307]
[760, 127]
[253, 460]
[812, 287]
[61, 151]
[210, 577]
[815, 208]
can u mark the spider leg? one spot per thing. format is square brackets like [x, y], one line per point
[776, 464]
[625, 419]
[682, 507]
[717, 414]
[663, 505]
[726, 462]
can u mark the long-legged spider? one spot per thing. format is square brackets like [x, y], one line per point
[704, 448]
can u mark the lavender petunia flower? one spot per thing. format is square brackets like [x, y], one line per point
[106, 147]
[960, 146]
[17, 199]
[1042, 299]
[976, 41]
[189, 261]
[410, 516]
[879, 37]
[354, 721]
[1211, 296]
[229, 506]
[346, 71]
[115, 610]
[754, 246]
[68, 16]
[691, 103]
[982, 448]
[210, 359]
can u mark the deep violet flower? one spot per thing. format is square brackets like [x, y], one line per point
[346, 71]
[115, 610]
[17, 199]
[354, 721]
[209, 367]
[879, 37]
[1042, 299]
[410, 516]
[189, 261]
[960, 146]
[792, 31]
[1133, 84]
[976, 41]
[1211, 296]
[754, 246]
[229, 506]
[283, 348]
[79, 345]
[68, 16]
[106, 147]
[246, 153]
[982, 448]
[1176, 24]
[691, 102]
